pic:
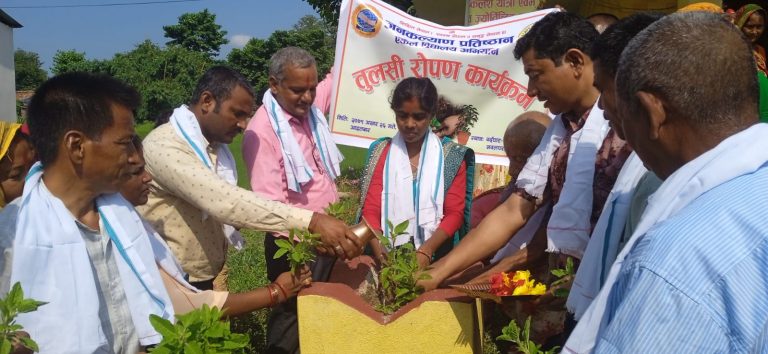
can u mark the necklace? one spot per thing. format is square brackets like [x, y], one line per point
[414, 169]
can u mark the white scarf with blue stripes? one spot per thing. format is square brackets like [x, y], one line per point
[297, 172]
[52, 264]
[419, 200]
[187, 127]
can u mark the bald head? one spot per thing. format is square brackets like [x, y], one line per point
[675, 58]
[522, 136]
[673, 100]
[602, 21]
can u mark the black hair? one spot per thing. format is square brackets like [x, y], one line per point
[608, 46]
[75, 101]
[666, 59]
[163, 117]
[446, 109]
[555, 34]
[421, 88]
[219, 81]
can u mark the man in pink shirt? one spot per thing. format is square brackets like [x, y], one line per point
[292, 158]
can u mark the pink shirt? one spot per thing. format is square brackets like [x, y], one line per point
[264, 159]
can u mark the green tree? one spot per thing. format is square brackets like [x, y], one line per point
[164, 77]
[329, 9]
[197, 31]
[65, 61]
[309, 33]
[29, 70]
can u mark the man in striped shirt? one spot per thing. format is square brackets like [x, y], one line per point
[691, 279]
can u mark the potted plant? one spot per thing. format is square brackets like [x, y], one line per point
[366, 304]
[199, 331]
[467, 120]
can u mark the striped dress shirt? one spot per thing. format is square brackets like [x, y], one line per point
[698, 282]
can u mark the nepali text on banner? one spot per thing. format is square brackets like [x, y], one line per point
[378, 46]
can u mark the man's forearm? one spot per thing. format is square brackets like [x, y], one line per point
[492, 233]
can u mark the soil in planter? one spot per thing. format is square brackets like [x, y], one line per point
[367, 289]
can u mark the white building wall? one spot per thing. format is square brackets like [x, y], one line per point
[7, 75]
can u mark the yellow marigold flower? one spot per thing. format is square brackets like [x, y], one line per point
[539, 289]
[521, 275]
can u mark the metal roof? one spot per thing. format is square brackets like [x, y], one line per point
[8, 20]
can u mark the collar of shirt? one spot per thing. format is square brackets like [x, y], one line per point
[572, 122]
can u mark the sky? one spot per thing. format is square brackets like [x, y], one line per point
[101, 32]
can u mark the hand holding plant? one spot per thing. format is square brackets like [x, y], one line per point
[335, 236]
[10, 307]
[291, 283]
[299, 253]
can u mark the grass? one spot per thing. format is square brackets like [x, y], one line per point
[247, 271]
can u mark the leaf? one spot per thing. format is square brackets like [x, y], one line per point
[401, 227]
[559, 272]
[6, 346]
[283, 243]
[193, 347]
[29, 305]
[162, 326]
[561, 292]
[29, 343]
[279, 253]
[161, 350]
[402, 291]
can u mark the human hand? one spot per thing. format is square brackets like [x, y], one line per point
[290, 283]
[429, 284]
[336, 236]
[424, 258]
[18, 347]
[379, 252]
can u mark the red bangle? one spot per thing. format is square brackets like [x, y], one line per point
[424, 253]
[285, 295]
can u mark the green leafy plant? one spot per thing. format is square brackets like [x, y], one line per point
[199, 331]
[564, 276]
[468, 118]
[399, 273]
[10, 307]
[345, 210]
[512, 333]
[299, 252]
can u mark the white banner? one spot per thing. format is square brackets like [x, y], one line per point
[378, 45]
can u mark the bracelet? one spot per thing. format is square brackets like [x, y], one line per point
[285, 295]
[424, 253]
[272, 295]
